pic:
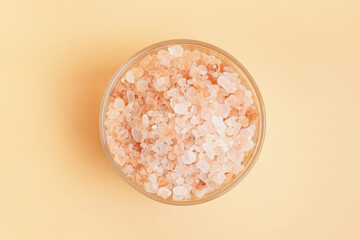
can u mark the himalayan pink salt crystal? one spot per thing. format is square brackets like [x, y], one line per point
[195, 133]
[203, 165]
[164, 192]
[163, 80]
[206, 113]
[247, 146]
[232, 76]
[202, 130]
[238, 168]
[138, 72]
[119, 160]
[163, 56]
[173, 92]
[149, 188]
[188, 157]
[219, 178]
[245, 134]
[222, 110]
[194, 120]
[112, 114]
[141, 85]
[153, 181]
[232, 154]
[130, 96]
[180, 181]
[190, 95]
[202, 69]
[209, 150]
[201, 193]
[130, 77]
[145, 120]
[137, 136]
[233, 130]
[129, 169]
[227, 84]
[219, 125]
[231, 121]
[119, 104]
[181, 108]
[182, 82]
[232, 100]
[176, 51]
[180, 191]
[244, 121]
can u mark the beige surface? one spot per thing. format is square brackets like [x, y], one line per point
[57, 57]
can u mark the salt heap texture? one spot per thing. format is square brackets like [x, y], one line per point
[179, 123]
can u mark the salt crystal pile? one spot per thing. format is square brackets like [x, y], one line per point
[180, 123]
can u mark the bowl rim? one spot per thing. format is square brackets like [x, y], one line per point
[262, 119]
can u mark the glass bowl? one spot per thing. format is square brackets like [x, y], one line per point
[258, 138]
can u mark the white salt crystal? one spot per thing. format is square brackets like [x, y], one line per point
[206, 113]
[149, 188]
[231, 121]
[202, 69]
[238, 168]
[137, 136]
[129, 169]
[176, 50]
[232, 100]
[181, 108]
[219, 178]
[222, 110]
[195, 133]
[194, 120]
[219, 124]
[153, 181]
[164, 192]
[141, 85]
[119, 104]
[182, 82]
[119, 160]
[130, 77]
[145, 120]
[163, 80]
[180, 181]
[203, 165]
[201, 193]
[232, 154]
[188, 157]
[202, 130]
[173, 92]
[130, 95]
[247, 146]
[227, 84]
[180, 191]
[177, 197]
[209, 150]
[248, 93]
[112, 114]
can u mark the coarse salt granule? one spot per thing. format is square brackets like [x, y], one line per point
[181, 108]
[180, 123]
[164, 192]
[227, 84]
[189, 157]
[130, 77]
[176, 51]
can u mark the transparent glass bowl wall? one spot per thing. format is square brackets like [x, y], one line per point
[246, 79]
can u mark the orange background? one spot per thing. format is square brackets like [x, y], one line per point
[57, 57]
